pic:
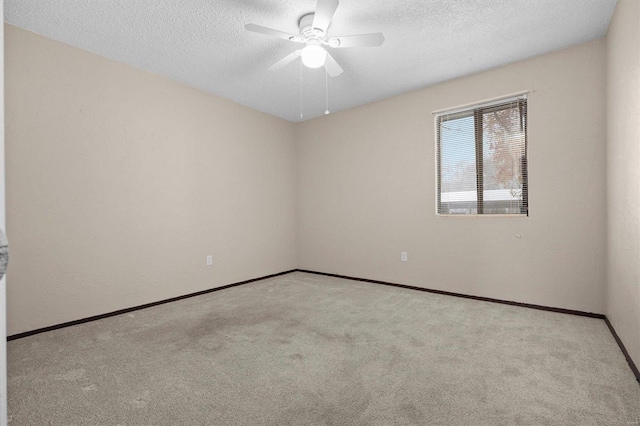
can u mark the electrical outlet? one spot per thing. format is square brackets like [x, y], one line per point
[209, 260]
[403, 256]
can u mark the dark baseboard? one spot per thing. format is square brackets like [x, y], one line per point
[137, 308]
[466, 296]
[632, 364]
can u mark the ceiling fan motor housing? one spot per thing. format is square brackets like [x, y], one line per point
[307, 32]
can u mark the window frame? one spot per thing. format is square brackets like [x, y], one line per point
[477, 110]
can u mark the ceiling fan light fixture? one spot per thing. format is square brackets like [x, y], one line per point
[313, 56]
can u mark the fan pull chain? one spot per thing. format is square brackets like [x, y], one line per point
[326, 91]
[301, 115]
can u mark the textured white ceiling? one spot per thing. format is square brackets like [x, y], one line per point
[202, 43]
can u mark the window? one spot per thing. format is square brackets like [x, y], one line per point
[482, 159]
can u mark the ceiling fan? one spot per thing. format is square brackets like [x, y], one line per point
[314, 33]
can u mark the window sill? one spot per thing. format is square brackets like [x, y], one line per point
[482, 215]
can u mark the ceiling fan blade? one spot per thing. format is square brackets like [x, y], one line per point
[333, 69]
[271, 32]
[324, 12]
[360, 40]
[285, 61]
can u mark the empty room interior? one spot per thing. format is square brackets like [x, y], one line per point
[321, 212]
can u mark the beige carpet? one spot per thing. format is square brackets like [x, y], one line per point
[302, 349]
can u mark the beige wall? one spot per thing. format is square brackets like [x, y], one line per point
[623, 174]
[119, 183]
[366, 190]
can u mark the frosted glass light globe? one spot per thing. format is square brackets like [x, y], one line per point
[313, 56]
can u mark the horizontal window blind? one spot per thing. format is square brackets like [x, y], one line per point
[482, 159]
